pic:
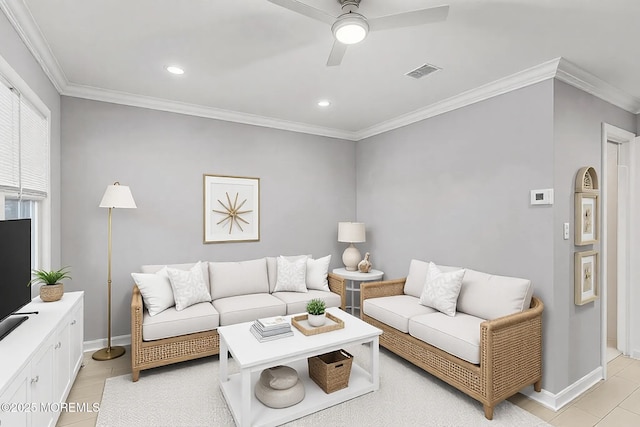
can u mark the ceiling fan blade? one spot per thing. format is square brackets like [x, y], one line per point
[409, 19]
[305, 10]
[337, 53]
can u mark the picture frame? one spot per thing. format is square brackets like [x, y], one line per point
[231, 209]
[586, 277]
[586, 219]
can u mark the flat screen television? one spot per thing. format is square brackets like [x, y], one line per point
[15, 268]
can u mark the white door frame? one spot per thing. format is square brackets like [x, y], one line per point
[627, 149]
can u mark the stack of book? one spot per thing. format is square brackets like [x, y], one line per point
[271, 328]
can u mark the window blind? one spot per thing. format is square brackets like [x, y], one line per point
[24, 146]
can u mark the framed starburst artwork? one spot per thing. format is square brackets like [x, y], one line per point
[231, 209]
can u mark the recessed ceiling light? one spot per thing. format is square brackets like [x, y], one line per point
[175, 70]
[324, 103]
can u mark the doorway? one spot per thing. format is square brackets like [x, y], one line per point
[614, 170]
[618, 165]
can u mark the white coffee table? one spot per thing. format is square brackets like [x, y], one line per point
[253, 356]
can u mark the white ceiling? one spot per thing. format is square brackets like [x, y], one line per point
[253, 61]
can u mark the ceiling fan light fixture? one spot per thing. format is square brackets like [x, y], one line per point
[350, 28]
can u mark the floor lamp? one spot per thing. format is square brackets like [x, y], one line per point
[115, 197]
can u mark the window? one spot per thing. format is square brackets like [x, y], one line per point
[24, 161]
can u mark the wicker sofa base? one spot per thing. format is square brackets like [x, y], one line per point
[504, 369]
[151, 354]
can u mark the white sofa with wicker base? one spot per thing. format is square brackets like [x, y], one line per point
[490, 348]
[172, 324]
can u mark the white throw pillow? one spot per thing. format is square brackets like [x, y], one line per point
[188, 287]
[441, 290]
[156, 291]
[291, 275]
[317, 271]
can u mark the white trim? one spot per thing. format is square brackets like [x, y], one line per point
[544, 71]
[22, 20]
[579, 78]
[616, 135]
[98, 94]
[556, 401]
[94, 345]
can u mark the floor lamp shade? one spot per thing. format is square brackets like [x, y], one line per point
[351, 232]
[116, 196]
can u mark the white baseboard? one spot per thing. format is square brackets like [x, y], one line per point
[102, 343]
[558, 400]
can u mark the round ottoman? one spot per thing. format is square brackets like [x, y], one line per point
[279, 387]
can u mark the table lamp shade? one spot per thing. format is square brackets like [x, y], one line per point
[118, 196]
[351, 232]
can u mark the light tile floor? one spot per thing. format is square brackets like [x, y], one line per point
[611, 403]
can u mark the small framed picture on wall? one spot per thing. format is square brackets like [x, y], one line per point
[586, 277]
[586, 218]
[231, 209]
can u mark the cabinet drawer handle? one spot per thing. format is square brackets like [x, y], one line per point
[74, 322]
[58, 345]
[35, 380]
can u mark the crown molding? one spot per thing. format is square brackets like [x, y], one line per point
[515, 81]
[22, 20]
[581, 79]
[105, 95]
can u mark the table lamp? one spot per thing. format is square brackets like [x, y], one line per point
[351, 232]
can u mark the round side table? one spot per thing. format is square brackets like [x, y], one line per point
[353, 286]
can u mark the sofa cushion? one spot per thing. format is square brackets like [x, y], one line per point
[297, 302]
[441, 289]
[245, 308]
[459, 335]
[272, 268]
[156, 291]
[396, 310]
[154, 268]
[317, 272]
[418, 274]
[172, 323]
[489, 297]
[230, 279]
[291, 275]
[189, 287]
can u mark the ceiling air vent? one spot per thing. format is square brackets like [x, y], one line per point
[422, 71]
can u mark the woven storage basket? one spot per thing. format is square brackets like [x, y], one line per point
[50, 293]
[331, 370]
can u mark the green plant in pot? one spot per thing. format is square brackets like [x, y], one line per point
[315, 310]
[52, 288]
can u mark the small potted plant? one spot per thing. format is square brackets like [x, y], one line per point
[52, 288]
[315, 309]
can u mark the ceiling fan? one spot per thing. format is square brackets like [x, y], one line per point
[351, 27]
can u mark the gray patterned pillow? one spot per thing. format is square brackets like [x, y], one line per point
[189, 287]
[441, 290]
[291, 275]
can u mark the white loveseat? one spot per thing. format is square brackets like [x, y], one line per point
[170, 324]
[490, 348]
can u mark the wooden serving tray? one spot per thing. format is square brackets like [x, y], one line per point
[302, 324]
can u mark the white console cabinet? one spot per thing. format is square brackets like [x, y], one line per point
[39, 361]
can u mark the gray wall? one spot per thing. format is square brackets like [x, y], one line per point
[306, 185]
[13, 50]
[578, 119]
[454, 189]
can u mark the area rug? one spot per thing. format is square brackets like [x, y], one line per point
[188, 395]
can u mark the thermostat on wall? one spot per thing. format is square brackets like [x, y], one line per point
[542, 197]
